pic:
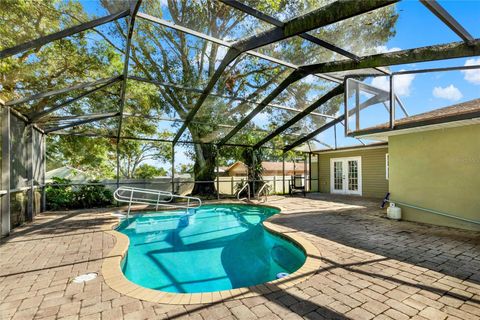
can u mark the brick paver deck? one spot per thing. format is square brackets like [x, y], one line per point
[376, 269]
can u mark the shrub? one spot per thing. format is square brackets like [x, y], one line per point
[90, 196]
[67, 197]
[60, 197]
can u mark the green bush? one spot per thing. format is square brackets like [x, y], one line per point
[90, 196]
[68, 197]
[60, 197]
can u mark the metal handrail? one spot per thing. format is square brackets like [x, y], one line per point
[440, 213]
[264, 187]
[246, 185]
[163, 198]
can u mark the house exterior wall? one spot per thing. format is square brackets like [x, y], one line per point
[374, 182]
[438, 170]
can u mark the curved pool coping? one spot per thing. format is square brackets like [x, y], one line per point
[115, 279]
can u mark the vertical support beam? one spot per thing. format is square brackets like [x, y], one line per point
[5, 111]
[335, 135]
[275, 184]
[173, 167]
[345, 104]
[118, 163]
[309, 172]
[254, 173]
[357, 107]
[218, 174]
[318, 172]
[283, 172]
[44, 172]
[134, 6]
[29, 171]
[392, 103]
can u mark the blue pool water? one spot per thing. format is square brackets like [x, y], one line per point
[218, 247]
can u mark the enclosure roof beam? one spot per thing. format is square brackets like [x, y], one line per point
[293, 77]
[76, 117]
[47, 94]
[264, 17]
[66, 133]
[36, 116]
[422, 54]
[231, 55]
[36, 43]
[78, 123]
[325, 98]
[326, 15]
[134, 6]
[226, 44]
[448, 19]
[272, 105]
[314, 133]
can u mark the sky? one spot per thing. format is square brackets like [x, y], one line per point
[416, 27]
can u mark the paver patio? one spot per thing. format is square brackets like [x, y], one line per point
[376, 269]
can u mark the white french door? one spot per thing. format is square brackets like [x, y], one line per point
[346, 175]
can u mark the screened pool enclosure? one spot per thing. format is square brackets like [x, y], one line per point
[202, 96]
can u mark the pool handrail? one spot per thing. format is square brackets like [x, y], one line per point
[167, 202]
[246, 185]
[265, 188]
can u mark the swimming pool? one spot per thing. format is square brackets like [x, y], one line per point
[219, 247]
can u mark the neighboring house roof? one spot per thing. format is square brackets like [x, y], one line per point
[269, 166]
[67, 173]
[455, 115]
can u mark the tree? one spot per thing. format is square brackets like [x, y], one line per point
[166, 55]
[147, 171]
[133, 155]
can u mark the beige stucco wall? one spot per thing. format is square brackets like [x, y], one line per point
[438, 170]
[374, 182]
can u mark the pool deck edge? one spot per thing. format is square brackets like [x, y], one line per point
[115, 279]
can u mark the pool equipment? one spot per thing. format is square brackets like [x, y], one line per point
[281, 275]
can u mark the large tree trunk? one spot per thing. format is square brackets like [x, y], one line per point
[253, 160]
[204, 170]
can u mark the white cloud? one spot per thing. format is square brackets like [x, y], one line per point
[472, 76]
[402, 83]
[450, 93]
[385, 49]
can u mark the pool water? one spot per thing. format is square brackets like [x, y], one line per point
[216, 247]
